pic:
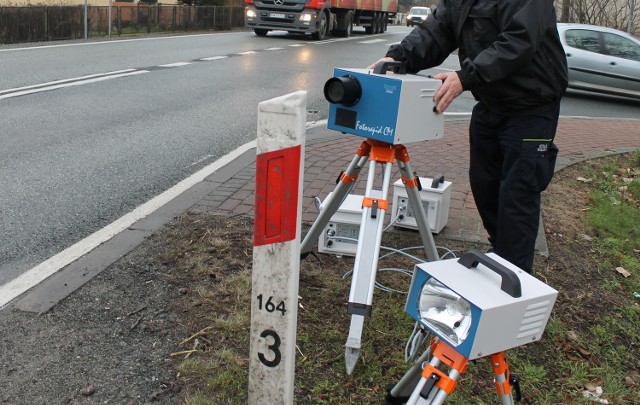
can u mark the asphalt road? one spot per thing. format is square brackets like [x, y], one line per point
[91, 130]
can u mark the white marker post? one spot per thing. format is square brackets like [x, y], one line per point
[276, 248]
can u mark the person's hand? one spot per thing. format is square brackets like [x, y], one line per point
[385, 59]
[450, 89]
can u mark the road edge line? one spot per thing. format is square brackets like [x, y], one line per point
[34, 276]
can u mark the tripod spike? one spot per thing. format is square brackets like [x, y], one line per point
[351, 355]
[352, 351]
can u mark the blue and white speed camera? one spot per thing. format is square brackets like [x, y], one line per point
[388, 107]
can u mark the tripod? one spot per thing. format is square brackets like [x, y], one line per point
[375, 204]
[430, 385]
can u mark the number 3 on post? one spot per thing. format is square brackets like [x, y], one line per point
[274, 348]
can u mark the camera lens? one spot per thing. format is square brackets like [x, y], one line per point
[343, 90]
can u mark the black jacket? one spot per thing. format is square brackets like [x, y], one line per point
[510, 53]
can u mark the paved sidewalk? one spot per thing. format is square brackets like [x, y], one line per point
[230, 190]
[328, 153]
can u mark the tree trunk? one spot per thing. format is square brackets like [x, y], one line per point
[566, 4]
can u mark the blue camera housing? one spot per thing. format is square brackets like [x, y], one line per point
[393, 108]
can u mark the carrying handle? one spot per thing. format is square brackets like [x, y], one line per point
[437, 181]
[382, 67]
[510, 281]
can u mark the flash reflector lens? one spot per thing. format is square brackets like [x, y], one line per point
[345, 90]
[445, 312]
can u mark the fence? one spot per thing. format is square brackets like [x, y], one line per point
[49, 23]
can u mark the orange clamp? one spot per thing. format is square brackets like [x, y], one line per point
[445, 383]
[382, 153]
[451, 357]
[368, 202]
[411, 183]
[501, 367]
[346, 179]
[402, 155]
[364, 149]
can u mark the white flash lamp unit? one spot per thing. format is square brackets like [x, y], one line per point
[479, 304]
[389, 107]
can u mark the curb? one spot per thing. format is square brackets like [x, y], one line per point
[209, 195]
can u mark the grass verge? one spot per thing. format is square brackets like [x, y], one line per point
[590, 351]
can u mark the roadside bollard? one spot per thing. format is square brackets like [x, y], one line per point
[276, 250]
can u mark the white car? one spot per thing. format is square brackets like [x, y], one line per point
[417, 15]
[602, 60]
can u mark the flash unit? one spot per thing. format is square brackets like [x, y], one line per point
[479, 304]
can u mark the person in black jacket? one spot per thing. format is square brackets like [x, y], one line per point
[513, 63]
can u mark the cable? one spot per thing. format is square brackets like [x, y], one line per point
[400, 251]
[416, 340]
[384, 288]
[317, 202]
[394, 220]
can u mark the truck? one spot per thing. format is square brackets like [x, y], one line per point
[319, 18]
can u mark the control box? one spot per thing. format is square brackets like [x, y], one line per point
[435, 196]
[340, 235]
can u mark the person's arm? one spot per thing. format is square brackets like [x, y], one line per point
[522, 28]
[429, 44]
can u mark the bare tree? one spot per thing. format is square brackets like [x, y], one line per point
[607, 13]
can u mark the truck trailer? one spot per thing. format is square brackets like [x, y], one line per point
[320, 18]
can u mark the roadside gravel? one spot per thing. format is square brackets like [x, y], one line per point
[108, 343]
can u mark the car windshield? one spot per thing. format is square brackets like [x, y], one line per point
[418, 11]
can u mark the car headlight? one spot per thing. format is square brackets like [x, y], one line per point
[251, 13]
[307, 17]
[445, 311]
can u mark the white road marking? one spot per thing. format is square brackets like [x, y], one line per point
[69, 84]
[64, 81]
[214, 58]
[176, 64]
[313, 124]
[246, 53]
[201, 160]
[273, 49]
[372, 41]
[39, 273]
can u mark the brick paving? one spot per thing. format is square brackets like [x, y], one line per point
[327, 153]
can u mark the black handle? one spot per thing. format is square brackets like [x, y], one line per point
[382, 67]
[437, 181]
[510, 281]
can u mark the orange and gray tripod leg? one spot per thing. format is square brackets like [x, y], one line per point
[503, 379]
[400, 392]
[343, 186]
[412, 187]
[434, 386]
[366, 262]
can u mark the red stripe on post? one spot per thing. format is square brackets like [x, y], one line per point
[276, 208]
